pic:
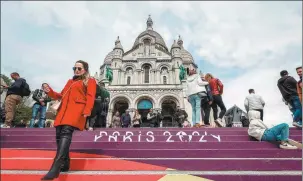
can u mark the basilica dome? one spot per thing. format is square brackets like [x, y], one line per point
[156, 35]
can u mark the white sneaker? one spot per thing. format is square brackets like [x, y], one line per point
[296, 124]
[90, 129]
[4, 126]
[288, 146]
[219, 122]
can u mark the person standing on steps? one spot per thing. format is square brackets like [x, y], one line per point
[104, 105]
[299, 85]
[254, 102]
[261, 132]
[194, 86]
[14, 96]
[288, 88]
[180, 116]
[216, 87]
[91, 120]
[126, 119]
[77, 101]
[137, 119]
[42, 99]
[206, 102]
[152, 118]
[116, 121]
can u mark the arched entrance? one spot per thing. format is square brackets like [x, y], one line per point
[144, 105]
[121, 105]
[168, 110]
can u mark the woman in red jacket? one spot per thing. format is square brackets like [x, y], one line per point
[77, 100]
[216, 87]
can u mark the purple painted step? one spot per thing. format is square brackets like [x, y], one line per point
[202, 128]
[190, 165]
[145, 145]
[141, 129]
[273, 153]
[91, 137]
[252, 177]
[39, 132]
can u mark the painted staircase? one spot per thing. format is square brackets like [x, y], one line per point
[147, 154]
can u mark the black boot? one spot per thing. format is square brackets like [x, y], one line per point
[66, 163]
[63, 149]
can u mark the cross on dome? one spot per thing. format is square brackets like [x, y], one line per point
[149, 23]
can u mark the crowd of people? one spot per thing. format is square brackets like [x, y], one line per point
[203, 92]
[83, 101]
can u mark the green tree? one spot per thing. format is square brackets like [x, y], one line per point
[6, 79]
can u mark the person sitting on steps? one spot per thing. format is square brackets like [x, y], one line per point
[261, 132]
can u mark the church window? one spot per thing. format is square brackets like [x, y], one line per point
[164, 80]
[146, 70]
[129, 70]
[164, 70]
[128, 80]
[146, 43]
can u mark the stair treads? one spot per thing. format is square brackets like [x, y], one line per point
[145, 145]
[145, 164]
[99, 153]
[157, 175]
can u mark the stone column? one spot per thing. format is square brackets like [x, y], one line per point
[135, 78]
[170, 77]
[177, 71]
[106, 83]
[109, 118]
[115, 76]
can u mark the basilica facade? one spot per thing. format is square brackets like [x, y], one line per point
[147, 76]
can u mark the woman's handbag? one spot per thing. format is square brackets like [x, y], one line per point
[55, 106]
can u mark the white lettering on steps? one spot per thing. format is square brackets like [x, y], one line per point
[149, 136]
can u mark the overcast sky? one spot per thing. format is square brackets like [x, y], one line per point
[245, 44]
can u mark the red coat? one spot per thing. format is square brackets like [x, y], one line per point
[216, 86]
[75, 103]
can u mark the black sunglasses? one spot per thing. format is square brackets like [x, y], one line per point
[77, 68]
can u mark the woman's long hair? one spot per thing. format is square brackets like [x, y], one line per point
[136, 114]
[85, 77]
[209, 75]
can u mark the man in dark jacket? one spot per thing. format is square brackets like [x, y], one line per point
[104, 105]
[206, 102]
[288, 88]
[40, 106]
[96, 118]
[126, 119]
[13, 98]
[180, 116]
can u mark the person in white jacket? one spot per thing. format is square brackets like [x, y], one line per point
[254, 102]
[195, 86]
[261, 132]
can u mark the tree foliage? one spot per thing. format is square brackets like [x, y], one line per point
[7, 80]
[23, 112]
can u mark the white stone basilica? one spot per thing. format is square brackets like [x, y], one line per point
[147, 76]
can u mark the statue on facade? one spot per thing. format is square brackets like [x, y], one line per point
[182, 72]
[109, 74]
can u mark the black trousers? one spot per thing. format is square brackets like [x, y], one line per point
[205, 112]
[217, 101]
[261, 113]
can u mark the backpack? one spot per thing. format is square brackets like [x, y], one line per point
[25, 90]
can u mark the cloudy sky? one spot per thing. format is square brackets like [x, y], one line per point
[245, 44]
